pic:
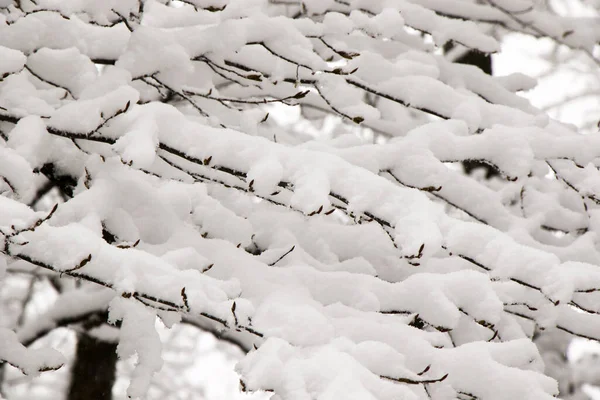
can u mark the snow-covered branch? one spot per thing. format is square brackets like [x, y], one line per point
[343, 267]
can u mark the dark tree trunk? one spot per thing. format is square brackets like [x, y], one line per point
[2, 373]
[480, 60]
[483, 62]
[94, 369]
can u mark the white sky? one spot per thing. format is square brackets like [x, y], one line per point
[577, 75]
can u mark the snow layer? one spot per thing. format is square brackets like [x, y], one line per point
[357, 270]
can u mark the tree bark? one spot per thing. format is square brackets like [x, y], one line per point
[2, 374]
[483, 62]
[94, 369]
